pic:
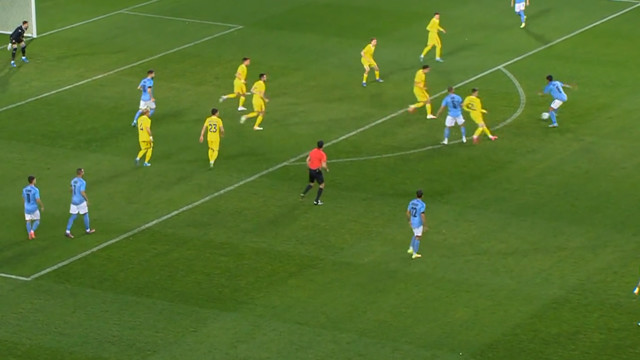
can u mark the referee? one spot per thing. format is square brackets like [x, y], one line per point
[317, 160]
[17, 37]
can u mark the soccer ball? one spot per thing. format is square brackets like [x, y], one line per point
[544, 116]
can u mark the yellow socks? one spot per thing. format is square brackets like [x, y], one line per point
[258, 121]
[429, 109]
[242, 99]
[377, 74]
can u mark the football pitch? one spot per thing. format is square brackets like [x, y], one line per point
[532, 248]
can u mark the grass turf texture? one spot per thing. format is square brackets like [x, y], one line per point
[531, 253]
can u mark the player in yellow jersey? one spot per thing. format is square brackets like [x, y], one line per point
[144, 137]
[368, 62]
[473, 105]
[215, 130]
[434, 38]
[239, 84]
[258, 89]
[420, 91]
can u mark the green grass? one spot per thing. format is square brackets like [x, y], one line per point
[531, 251]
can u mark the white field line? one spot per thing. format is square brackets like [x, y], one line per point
[628, 1]
[523, 102]
[274, 168]
[179, 19]
[96, 18]
[15, 277]
[53, 92]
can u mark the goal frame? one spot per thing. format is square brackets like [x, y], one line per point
[33, 32]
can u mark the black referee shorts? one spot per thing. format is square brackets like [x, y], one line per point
[315, 175]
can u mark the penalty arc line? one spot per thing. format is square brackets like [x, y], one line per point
[523, 102]
[53, 92]
[267, 171]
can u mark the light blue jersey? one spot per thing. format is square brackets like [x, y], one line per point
[520, 1]
[555, 89]
[78, 186]
[416, 209]
[145, 85]
[30, 194]
[454, 103]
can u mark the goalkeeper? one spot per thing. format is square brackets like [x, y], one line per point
[17, 37]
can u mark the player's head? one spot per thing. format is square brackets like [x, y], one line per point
[374, 41]
[549, 78]
[151, 73]
[262, 77]
[214, 111]
[145, 110]
[426, 68]
[246, 60]
[31, 179]
[450, 89]
[474, 91]
[436, 15]
[79, 171]
[320, 144]
[25, 24]
[419, 193]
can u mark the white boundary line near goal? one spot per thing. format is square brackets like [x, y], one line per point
[628, 1]
[523, 102]
[53, 92]
[96, 18]
[179, 19]
[276, 167]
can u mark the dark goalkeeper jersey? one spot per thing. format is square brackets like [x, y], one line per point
[18, 34]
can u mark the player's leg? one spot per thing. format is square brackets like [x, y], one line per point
[320, 189]
[428, 106]
[366, 74]
[213, 152]
[149, 152]
[460, 122]
[377, 72]
[426, 49]
[14, 50]
[143, 150]
[74, 214]
[236, 86]
[29, 229]
[447, 131]
[23, 48]
[416, 242]
[256, 126]
[438, 49]
[312, 179]
[256, 110]
[553, 109]
[152, 107]
[241, 91]
[142, 105]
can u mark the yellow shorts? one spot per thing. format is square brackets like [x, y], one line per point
[214, 144]
[145, 145]
[258, 104]
[421, 94]
[434, 39]
[239, 87]
[367, 64]
[477, 118]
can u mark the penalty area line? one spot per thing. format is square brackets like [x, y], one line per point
[276, 167]
[179, 19]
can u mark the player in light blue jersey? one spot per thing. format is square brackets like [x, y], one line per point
[555, 89]
[454, 104]
[519, 6]
[147, 100]
[418, 223]
[31, 197]
[79, 203]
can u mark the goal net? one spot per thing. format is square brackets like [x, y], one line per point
[14, 12]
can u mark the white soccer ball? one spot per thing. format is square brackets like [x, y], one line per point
[544, 116]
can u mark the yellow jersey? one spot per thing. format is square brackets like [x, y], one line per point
[434, 26]
[472, 104]
[258, 88]
[420, 80]
[241, 73]
[368, 51]
[143, 123]
[213, 125]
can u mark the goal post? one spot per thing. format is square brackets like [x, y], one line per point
[14, 12]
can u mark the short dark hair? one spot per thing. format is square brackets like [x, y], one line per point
[474, 90]
[372, 39]
[24, 22]
[450, 89]
[419, 193]
[150, 71]
[425, 67]
[261, 75]
[550, 77]
[436, 13]
[79, 171]
[320, 144]
[214, 111]
[245, 59]
[30, 179]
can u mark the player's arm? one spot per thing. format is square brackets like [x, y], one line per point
[84, 195]
[150, 91]
[40, 203]
[308, 160]
[440, 110]
[467, 105]
[527, 2]
[637, 289]
[148, 130]
[324, 165]
[409, 216]
[239, 77]
[424, 221]
[441, 29]
[512, 3]
[204, 128]
[221, 130]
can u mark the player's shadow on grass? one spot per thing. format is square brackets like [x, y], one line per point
[5, 75]
[542, 40]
